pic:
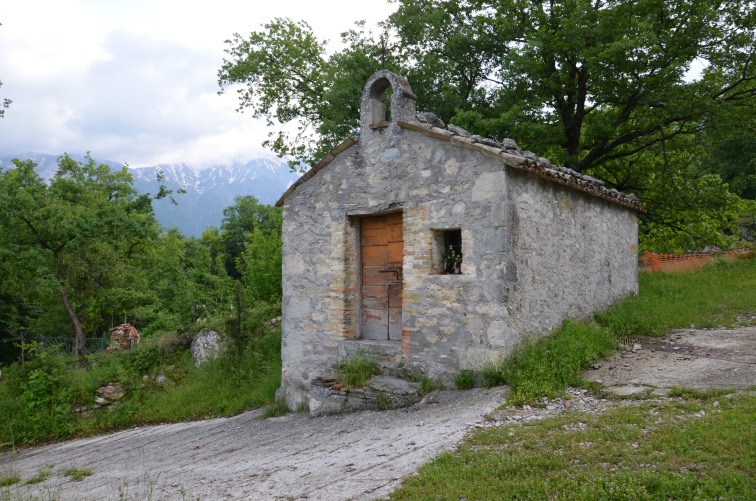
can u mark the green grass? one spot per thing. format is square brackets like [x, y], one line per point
[40, 477]
[354, 371]
[711, 297]
[38, 400]
[77, 474]
[10, 479]
[661, 450]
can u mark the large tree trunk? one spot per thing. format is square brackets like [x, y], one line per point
[81, 342]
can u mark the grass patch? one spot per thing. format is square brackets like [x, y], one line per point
[40, 477]
[545, 367]
[660, 450]
[464, 380]
[7, 480]
[691, 393]
[710, 297]
[354, 371]
[78, 474]
[38, 401]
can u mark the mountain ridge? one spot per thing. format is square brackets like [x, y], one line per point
[209, 190]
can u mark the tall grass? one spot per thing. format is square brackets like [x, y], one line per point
[39, 400]
[717, 295]
[711, 297]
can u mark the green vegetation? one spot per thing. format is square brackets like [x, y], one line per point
[354, 371]
[657, 450]
[53, 395]
[714, 296]
[690, 445]
[7, 480]
[464, 380]
[77, 474]
[83, 252]
[582, 83]
[40, 477]
[717, 295]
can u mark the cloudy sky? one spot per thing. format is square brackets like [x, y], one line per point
[135, 81]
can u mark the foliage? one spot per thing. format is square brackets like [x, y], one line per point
[354, 371]
[239, 220]
[607, 88]
[544, 368]
[77, 238]
[38, 399]
[660, 450]
[11, 479]
[733, 158]
[261, 262]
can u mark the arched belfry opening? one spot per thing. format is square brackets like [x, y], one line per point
[373, 112]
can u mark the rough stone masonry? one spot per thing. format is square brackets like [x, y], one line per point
[538, 244]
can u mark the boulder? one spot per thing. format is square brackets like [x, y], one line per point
[206, 345]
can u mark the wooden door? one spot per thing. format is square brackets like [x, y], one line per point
[382, 253]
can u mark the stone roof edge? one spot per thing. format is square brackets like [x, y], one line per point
[315, 168]
[509, 154]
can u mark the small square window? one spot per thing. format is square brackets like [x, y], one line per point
[447, 251]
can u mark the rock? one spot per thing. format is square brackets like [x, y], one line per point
[111, 392]
[458, 130]
[101, 401]
[206, 345]
[509, 144]
[430, 118]
[636, 347]
[161, 379]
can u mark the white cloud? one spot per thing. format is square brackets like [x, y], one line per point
[136, 81]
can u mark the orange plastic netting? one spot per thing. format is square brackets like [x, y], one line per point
[671, 263]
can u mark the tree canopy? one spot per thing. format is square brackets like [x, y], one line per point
[606, 87]
[80, 234]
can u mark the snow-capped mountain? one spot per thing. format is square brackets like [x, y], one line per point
[208, 190]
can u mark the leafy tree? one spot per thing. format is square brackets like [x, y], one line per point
[80, 234]
[262, 260]
[604, 87]
[585, 82]
[284, 75]
[239, 219]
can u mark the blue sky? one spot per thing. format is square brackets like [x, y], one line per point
[135, 81]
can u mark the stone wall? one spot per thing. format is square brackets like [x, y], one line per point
[535, 252]
[540, 244]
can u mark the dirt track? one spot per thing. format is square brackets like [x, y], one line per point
[357, 456]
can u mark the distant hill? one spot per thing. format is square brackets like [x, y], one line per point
[208, 190]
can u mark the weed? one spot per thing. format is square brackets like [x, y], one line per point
[11, 479]
[667, 450]
[691, 393]
[77, 474]
[383, 402]
[354, 371]
[428, 385]
[492, 374]
[41, 476]
[464, 380]
[277, 408]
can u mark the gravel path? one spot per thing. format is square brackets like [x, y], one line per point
[355, 456]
